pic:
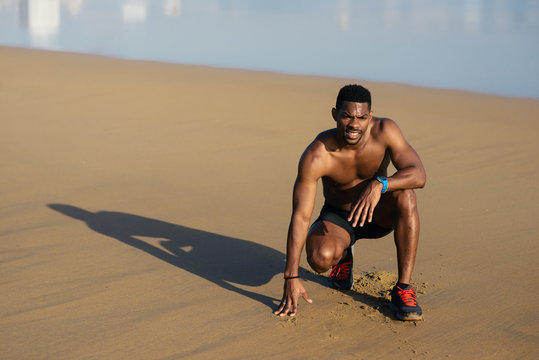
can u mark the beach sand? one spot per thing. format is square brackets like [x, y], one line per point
[145, 208]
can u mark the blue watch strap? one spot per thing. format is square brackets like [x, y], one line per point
[383, 180]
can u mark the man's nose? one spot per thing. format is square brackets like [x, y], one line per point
[354, 121]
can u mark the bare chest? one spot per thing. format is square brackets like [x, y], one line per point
[349, 170]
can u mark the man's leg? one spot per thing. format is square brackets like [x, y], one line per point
[400, 207]
[326, 245]
[398, 210]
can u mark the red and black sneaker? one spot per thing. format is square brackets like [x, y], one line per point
[404, 303]
[341, 274]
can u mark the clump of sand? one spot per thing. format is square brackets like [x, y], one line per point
[371, 296]
[372, 292]
[380, 283]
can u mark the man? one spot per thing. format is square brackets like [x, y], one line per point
[360, 201]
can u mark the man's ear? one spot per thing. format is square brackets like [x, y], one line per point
[334, 113]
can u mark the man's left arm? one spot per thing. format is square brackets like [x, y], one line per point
[410, 173]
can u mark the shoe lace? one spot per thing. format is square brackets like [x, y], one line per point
[408, 297]
[341, 271]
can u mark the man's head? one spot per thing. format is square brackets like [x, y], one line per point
[353, 93]
[352, 113]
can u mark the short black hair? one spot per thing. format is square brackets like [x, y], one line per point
[353, 93]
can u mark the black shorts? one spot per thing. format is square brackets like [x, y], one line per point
[339, 217]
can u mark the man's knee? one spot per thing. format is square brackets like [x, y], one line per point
[325, 245]
[320, 258]
[406, 201]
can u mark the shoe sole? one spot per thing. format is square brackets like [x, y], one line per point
[406, 316]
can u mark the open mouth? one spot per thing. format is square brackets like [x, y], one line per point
[353, 134]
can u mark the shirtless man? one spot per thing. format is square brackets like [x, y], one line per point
[360, 201]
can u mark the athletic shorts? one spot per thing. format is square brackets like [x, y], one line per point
[339, 217]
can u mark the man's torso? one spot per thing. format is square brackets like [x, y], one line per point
[346, 171]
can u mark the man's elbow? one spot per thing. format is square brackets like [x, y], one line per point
[421, 179]
[301, 219]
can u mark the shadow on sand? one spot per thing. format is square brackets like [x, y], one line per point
[377, 303]
[223, 260]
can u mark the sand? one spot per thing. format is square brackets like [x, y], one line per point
[145, 207]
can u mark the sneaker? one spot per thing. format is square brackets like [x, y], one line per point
[341, 274]
[404, 303]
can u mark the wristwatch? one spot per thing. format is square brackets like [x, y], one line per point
[383, 180]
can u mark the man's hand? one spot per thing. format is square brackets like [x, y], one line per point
[363, 209]
[289, 304]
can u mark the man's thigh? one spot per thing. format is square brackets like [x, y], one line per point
[387, 210]
[327, 236]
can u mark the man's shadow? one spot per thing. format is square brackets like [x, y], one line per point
[223, 260]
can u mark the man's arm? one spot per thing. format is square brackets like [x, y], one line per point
[410, 173]
[303, 203]
[304, 195]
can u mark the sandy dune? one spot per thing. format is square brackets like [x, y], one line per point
[145, 206]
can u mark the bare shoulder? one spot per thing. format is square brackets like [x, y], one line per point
[386, 130]
[315, 158]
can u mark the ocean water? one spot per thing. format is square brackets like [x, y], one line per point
[489, 46]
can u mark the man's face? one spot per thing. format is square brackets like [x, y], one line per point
[352, 121]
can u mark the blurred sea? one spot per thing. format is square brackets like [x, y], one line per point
[489, 46]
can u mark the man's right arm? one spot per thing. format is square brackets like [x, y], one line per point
[303, 203]
[302, 209]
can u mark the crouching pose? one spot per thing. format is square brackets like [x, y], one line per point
[361, 201]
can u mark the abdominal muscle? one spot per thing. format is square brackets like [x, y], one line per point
[342, 195]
